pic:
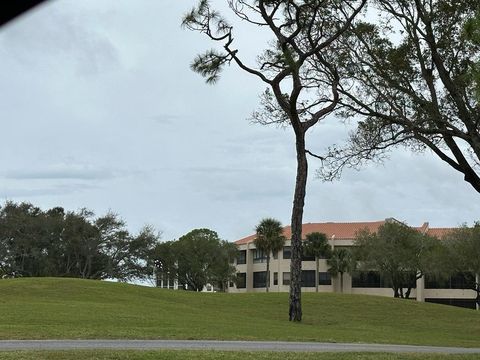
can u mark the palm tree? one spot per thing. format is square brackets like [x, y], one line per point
[269, 239]
[340, 263]
[316, 244]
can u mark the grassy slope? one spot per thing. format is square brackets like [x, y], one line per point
[72, 308]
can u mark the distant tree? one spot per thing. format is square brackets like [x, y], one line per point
[409, 82]
[398, 252]
[269, 239]
[223, 269]
[164, 258]
[463, 255]
[34, 242]
[198, 258]
[340, 262]
[298, 68]
[316, 244]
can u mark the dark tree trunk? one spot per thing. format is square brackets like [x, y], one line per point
[395, 292]
[407, 293]
[295, 305]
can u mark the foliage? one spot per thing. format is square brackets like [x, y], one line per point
[298, 69]
[44, 308]
[269, 239]
[70, 244]
[463, 254]
[340, 262]
[408, 80]
[399, 253]
[201, 257]
[472, 33]
[316, 244]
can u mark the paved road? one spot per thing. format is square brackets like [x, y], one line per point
[224, 345]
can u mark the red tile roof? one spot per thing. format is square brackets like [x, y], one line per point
[348, 230]
[340, 230]
[439, 232]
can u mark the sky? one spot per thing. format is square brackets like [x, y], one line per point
[100, 110]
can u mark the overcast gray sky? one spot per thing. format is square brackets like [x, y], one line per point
[99, 109]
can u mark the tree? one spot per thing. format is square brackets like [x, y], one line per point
[269, 239]
[340, 262]
[200, 254]
[295, 67]
[408, 80]
[316, 244]
[463, 255]
[399, 253]
[223, 270]
[164, 258]
[34, 242]
[472, 33]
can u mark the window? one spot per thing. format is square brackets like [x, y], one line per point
[242, 257]
[275, 278]
[457, 281]
[324, 278]
[366, 279]
[259, 256]
[287, 252]
[308, 258]
[286, 278]
[373, 279]
[241, 280]
[275, 255]
[308, 278]
[259, 279]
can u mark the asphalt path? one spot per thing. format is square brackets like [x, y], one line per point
[8, 345]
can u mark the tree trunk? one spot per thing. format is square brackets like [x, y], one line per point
[395, 292]
[316, 274]
[407, 293]
[295, 305]
[341, 282]
[267, 280]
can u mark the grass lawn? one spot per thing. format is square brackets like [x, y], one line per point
[43, 308]
[217, 355]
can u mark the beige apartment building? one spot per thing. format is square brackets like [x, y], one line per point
[251, 268]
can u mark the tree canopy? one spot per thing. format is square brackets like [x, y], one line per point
[410, 81]
[196, 259]
[316, 244]
[463, 255]
[54, 242]
[269, 239]
[340, 262]
[398, 252]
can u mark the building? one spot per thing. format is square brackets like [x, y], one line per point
[251, 267]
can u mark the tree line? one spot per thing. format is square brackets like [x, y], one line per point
[59, 243]
[55, 242]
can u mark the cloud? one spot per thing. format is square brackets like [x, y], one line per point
[61, 172]
[28, 191]
[61, 35]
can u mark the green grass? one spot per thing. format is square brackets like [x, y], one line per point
[217, 355]
[43, 308]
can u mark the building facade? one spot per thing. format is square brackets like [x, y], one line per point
[251, 269]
